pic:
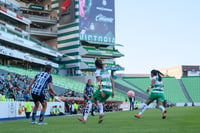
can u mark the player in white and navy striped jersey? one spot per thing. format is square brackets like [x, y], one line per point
[38, 87]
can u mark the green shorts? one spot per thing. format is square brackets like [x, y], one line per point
[157, 96]
[97, 96]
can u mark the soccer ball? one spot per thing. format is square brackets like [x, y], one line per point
[130, 93]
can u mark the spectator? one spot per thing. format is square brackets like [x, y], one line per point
[15, 81]
[12, 97]
[67, 107]
[3, 97]
[28, 108]
[60, 111]
[72, 94]
[80, 108]
[131, 99]
[25, 95]
[56, 110]
[71, 108]
[8, 77]
[75, 108]
[2, 78]
[110, 108]
[136, 105]
[52, 111]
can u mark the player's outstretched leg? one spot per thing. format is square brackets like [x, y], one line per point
[142, 110]
[100, 105]
[162, 108]
[164, 114]
[86, 112]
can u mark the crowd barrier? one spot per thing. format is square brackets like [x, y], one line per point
[17, 109]
[187, 104]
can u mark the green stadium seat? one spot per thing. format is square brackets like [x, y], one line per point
[122, 82]
[192, 85]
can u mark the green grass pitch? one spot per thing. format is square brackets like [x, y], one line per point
[179, 120]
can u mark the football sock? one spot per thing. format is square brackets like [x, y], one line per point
[87, 109]
[33, 114]
[41, 116]
[143, 109]
[100, 105]
[161, 108]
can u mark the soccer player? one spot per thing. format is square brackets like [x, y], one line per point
[88, 92]
[106, 89]
[156, 94]
[38, 87]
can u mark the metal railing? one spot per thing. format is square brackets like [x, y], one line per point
[49, 31]
[41, 18]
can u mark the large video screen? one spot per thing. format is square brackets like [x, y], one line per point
[97, 20]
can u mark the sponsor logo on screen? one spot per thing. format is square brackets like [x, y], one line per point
[97, 20]
[103, 18]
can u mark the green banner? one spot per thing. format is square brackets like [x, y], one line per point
[36, 7]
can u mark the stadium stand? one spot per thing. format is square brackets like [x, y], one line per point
[173, 91]
[15, 88]
[122, 82]
[192, 85]
[60, 81]
[184, 90]
[138, 82]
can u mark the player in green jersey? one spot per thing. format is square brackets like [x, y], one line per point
[156, 94]
[106, 89]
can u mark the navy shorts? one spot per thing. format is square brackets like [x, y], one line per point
[41, 98]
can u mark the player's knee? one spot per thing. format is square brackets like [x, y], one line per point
[44, 105]
[159, 103]
[36, 105]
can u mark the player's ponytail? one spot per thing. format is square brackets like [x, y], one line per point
[159, 75]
